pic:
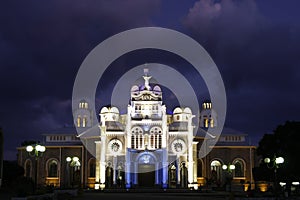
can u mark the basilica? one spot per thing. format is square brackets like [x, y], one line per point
[147, 147]
[151, 147]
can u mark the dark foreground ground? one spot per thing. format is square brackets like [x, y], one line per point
[153, 195]
[132, 195]
[144, 195]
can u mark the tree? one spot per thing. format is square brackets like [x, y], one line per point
[285, 142]
[14, 180]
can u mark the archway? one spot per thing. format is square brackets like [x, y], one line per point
[216, 171]
[146, 169]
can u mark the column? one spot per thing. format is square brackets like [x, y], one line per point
[97, 173]
[195, 170]
[190, 165]
[127, 170]
[115, 170]
[135, 181]
[102, 157]
[165, 165]
[178, 169]
[156, 173]
[164, 128]
[190, 152]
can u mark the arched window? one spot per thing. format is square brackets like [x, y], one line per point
[239, 170]
[92, 167]
[27, 168]
[84, 119]
[206, 123]
[215, 167]
[78, 121]
[137, 138]
[212, 123]
[52, 168]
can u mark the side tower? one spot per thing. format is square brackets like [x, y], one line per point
[83, 115]
[110, 150]
[182, 149]
[208, 116]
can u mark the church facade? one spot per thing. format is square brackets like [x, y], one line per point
[150, 147]
[145, 147]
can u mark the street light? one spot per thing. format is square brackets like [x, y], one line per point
[274, 163]
[36, 151]
[229, 168]
[75, 164]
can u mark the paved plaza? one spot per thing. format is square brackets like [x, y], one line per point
[150, 196]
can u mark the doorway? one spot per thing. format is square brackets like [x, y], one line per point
[146, 175]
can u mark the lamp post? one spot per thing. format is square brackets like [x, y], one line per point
[75, 164]
[274, 163]
[229, 168]
[36, 151]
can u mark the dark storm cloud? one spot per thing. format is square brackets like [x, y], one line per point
[258, 58]
[42, 45]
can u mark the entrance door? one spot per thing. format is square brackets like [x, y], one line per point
[146, 175]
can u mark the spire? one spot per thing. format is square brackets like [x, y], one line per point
[146, 78]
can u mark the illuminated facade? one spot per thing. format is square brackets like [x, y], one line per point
[146, 147]
[150, 147]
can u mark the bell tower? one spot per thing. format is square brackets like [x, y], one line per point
[208, 117]
[83, 115]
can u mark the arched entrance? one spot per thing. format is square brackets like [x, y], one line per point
[147, 169]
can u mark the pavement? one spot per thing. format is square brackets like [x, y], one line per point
[149, 195]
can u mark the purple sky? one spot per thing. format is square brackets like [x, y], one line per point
[255, 44]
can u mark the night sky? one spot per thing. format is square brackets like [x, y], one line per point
[255, 44]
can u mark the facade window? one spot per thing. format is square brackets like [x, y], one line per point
[206, 123]
[152, 141]
[155, 137]
[84, 119]
[133, 141]
[78, 121]
[137, 141]
[212, 123]
[239, 168]
[215, 167]
[83, 105]
[137, 138]
[52, 168]
[159, 141]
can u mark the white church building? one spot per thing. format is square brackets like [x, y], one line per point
[146, 147]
